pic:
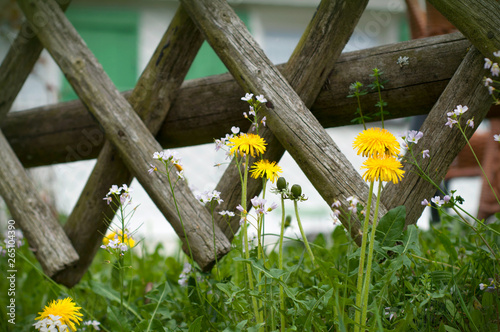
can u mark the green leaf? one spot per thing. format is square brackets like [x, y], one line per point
[154, 325]
[116, 321]
[196, 325]
[448, 246]
[150, 326]
[111, 295]
[390, 227]
[410, 240]
[325, 296]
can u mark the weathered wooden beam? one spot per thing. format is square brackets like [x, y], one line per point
[52, 247]
[290, 120]
[39, 225]
[478, 20]
[465, 88]
[321, 44]
[207, 108]
[19, 62]
[162, 77]
[123, 128]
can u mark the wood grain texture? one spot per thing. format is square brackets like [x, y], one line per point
[124, 129]
[290, 120]
[207, 108]
[45, 235]
[321, 45]
[478, 20]
[19, 62]
[162, 77]
[465, 88]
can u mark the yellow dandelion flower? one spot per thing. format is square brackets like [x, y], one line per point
[266, 168]
[376, 142]
[129, 241]
[384, 169]
[248, 144]
[66, 309]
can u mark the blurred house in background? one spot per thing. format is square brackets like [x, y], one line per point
[123, 35]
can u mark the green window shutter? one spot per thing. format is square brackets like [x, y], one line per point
[112, 35]
[207, 62]
[404, 29]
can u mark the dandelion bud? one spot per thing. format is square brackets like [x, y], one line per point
[288, 221]
[281, 183]
[296, 191]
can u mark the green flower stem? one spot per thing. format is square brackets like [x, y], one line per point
[362, 259]
[280, 265]
[309, 251]
[366, 286]
[260, 249]
[381, 101]
[359, 106]
[215, 246]
[245, 237]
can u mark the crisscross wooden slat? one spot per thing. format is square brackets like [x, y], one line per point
[124, 129]
[321, 45]
[292, 123]
[444, 143]
[41, 228]
[18, 64]
[162, 77]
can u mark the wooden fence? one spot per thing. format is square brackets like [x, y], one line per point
[305, 95]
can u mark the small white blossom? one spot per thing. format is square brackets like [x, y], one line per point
[487, 81]
[95, 324]
[235, 130]
[158, 155]
[460, 110]
[413, 136]
[425, 202]
[496, 137]
[487, 63]
[226, 213]
[114, 190]
[152, 168]
[450, 122]
[263, 121]
[259, 203]
[261, 99]
[336, 204]
[437, 200]
[491, 89]
[403, 61]
[470, 123]
[184, 276]
[180, 174]
[425, 154]
[497, 54]
[482, 286]
[248, 96]
[446, 198]
[495, 70]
